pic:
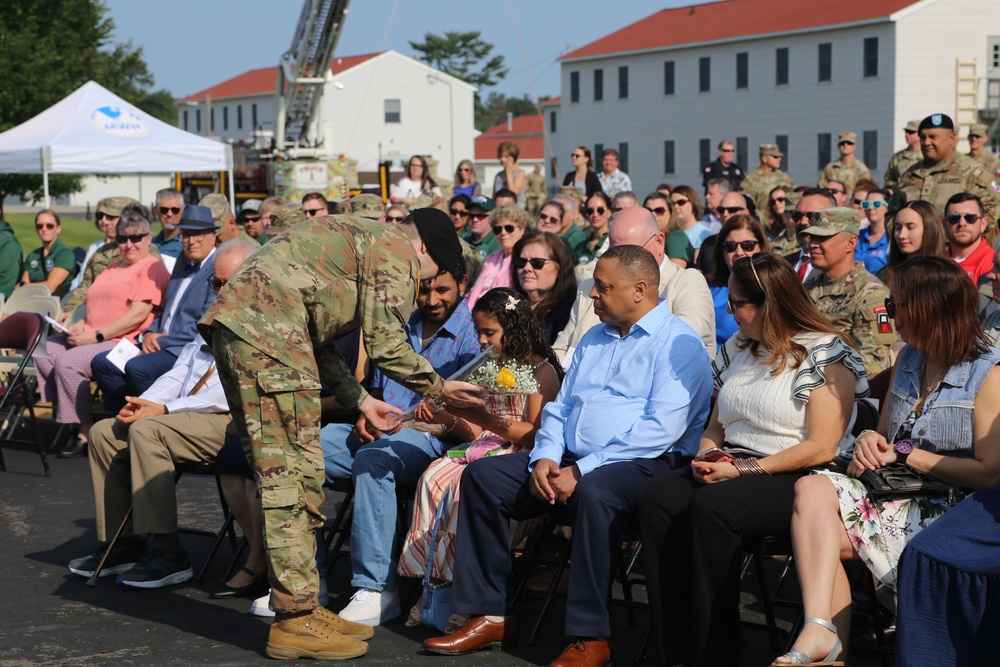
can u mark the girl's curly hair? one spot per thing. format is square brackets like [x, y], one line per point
[522, 336]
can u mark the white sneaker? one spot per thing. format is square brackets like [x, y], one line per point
[372, 607]
[259, 606]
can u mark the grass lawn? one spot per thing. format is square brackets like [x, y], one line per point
[75, 232]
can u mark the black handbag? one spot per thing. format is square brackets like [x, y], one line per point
[899, 480]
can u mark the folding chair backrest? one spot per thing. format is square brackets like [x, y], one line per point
[35, 290]
[44, 305]
[20, 330]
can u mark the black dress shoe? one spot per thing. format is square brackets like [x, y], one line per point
[76, 448]
[252, 591]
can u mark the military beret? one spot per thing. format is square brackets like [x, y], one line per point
[367, 206]
[831, 221]
[114, 205]
[849, 137]
[979, 130]
[938, 120]
[437, 231]
[771, 149]
[221, 212]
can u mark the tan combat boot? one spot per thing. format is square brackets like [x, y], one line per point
[345, 627]
[308, 635]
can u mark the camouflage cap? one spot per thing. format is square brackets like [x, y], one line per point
[979, 130]
[367, 206]
[114, 205]
[832, 221]
[771, 149]
[571, 191]
[425, 200]
[849, 137]
[342, 207]
[221, 212]
[912, 126]
[285, 216]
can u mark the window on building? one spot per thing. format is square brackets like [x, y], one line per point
[253, 115]
[742, 70]
[668, 77]
[239, 116]
[393, 111]
[824, 150]
[871, 56]
[596, 155]
[869, 150]
[552, 122]
[197, 121]
[211, 125]
[225, 118]
[704, 74]
[704, 153]
[741, 151]
[623, 82]
[782, 141]
[781, 66]
[668, 157]
[623, 156]
[826, 61]
[574, 86]
[598, 85]
[185, 115]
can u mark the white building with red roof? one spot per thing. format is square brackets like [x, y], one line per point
[664, 91]
[374, 105]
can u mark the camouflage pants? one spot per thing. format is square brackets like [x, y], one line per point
[276, 411]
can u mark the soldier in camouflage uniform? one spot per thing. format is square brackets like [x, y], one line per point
[978, 136]
[847, 169]
[273, 329]
[843, 291]
[759, 182]
[788, 242]
[223, 216]
[906, 158]
[536, 192]
[366, 206]
[943, 172]
[284, 217]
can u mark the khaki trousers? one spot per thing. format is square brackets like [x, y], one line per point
[134, 466]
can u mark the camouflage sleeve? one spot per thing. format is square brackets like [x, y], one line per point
[387, 296]
[873, 332]
[334, 373]
[79, 295]
[891, 177]
[988, 191]
[824, 177]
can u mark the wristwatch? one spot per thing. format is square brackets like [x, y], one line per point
[903, 449]
[99, 336]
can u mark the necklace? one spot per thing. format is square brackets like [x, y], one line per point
[933, 383]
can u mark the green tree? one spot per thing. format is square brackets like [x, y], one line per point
[49, 49]
[494, 111]
[464, 55]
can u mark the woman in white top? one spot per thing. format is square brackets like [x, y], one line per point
[417, 181]
[787, 383]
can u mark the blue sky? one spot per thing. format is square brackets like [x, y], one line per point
[190, 45]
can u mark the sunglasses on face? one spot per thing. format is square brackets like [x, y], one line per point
[313, 212]
[122, 239]
[537, 263]
[726, 150]
[395, 218]
[909, 131]
[251, 218]
[798, 215]
[575, 155]
[955, 218]
[891, 306]
[600, 210]
[464, 169]
[681, 202]
[101, 215]
[479, 216]
[859, 202]
[778, 200]
[836, 191]
[736, 304]
[873, 204]
[731, 210]
[657, 211]
[548, 218]
[455, 213]
[747, 246]
[169, 209]
[216, 283]
[45, 225]
[510, 229]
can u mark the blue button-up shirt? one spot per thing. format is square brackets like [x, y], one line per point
[629, 397]
[874, 255]
[169, 247]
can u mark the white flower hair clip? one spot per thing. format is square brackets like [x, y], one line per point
[511, 303]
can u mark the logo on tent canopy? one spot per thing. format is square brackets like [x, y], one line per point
[119, 122]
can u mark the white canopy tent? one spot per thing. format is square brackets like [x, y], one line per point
[93, 131]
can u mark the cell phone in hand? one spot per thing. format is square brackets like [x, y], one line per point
[712, 455]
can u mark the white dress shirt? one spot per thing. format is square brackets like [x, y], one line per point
[172, 389]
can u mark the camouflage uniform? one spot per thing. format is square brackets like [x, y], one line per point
[855, 305]
[273, 329]
[759, 183]
[898, 164]
[105, 256]
[989, 160]
[284, 217]
[536, 194]
[848, 174]
[366, 206]
[473, 260]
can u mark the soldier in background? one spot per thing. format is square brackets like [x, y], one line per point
[222, 215]
[843, 291]
[759, 183]
[723, 167]
[366, 206]
[847, 169]
[978, 136]
[905, 158]
[272, 330]
[266, 208]
[943, 172]
[536, 192]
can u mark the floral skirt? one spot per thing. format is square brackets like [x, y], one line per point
[880, 528]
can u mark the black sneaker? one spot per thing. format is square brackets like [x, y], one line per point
[158, 568]
[126, 553]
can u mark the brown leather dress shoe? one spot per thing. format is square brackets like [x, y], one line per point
[476, 635]
[593, 653]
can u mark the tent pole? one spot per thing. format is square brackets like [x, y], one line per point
[45, 186]
[232, 190]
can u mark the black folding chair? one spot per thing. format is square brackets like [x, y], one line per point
[20, 331]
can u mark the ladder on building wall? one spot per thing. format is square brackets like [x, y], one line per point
[966, 99]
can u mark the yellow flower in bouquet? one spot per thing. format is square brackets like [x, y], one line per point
[505, 379]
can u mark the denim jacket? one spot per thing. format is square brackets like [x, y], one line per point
[945, 426]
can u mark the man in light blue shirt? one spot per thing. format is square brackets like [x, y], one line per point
[633, 405]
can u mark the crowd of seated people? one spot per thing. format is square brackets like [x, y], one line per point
[789, 315]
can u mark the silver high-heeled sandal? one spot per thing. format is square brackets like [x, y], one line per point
[799, 657]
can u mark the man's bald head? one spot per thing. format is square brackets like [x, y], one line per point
[637, 226]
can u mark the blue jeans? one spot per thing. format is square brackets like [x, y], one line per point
[377, 469]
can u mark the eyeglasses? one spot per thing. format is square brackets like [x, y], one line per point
[312, 212]
[103, 215]
[726, 150]
[479, 216]
[195, 234]
[736, 304]
[836, 191]
[455, 213]
[747, 246]
[845, 143]
[577, 155]
[250, 218]
[122, 239]
[537, 263]
[414, 165]
[909, 131]
[859, 202]
[778, 200]
[45, 225]
[395, 218]
[510, 229]
[216, 283]
[659, 210]
[681, 202]
[600, 210]
[891, 306]
[955, 218]
[169, 209]
[798, 215]
[732, 210]
[542, 217]
[464, 169]
[873, 204]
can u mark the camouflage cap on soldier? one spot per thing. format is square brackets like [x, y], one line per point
[832, 221]
[221, 212]
[367, 206]
[114, 205]
[285, 216]
[571, 191]
[342, 207]
[979, 130]
[771, 149]
[912, 126]
[849, 137]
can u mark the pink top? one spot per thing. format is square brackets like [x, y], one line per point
[495, 273]
[118, 286]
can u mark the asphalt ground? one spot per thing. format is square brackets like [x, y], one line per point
[52, 617]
